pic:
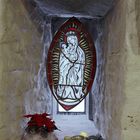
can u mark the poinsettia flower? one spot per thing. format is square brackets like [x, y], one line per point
[41, 120]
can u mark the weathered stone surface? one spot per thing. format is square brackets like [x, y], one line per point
[20, 55]
[116, 90]
[131, 110]
[81, 8]
[118, 115]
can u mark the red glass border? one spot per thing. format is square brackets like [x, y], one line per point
[49, 58]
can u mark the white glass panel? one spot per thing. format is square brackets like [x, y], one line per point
[79, 108]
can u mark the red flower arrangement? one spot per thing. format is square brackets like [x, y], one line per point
[40, 123]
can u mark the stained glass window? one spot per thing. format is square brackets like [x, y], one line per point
[71, 64]
[80, 108]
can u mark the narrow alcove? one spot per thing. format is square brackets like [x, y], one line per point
[27, 32]
[48, 18]
[76, 120]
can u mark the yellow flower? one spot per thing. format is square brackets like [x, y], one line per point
[84, 134]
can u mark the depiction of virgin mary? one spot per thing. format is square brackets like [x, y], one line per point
[71, 64]
[71, 69]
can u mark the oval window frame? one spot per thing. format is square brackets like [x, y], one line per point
[51, 53]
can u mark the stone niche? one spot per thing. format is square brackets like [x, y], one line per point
[20, 56]
[115, 94]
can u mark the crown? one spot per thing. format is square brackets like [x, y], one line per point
[70, 33]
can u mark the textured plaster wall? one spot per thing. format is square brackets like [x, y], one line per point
[131, 111]
[118, 113]
[121, 97]
[20, 55]
[108, 94]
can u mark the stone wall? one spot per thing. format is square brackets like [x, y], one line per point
[120, 106]
[110, 78]
[118, 111]
[131, 110]
[20, 55]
